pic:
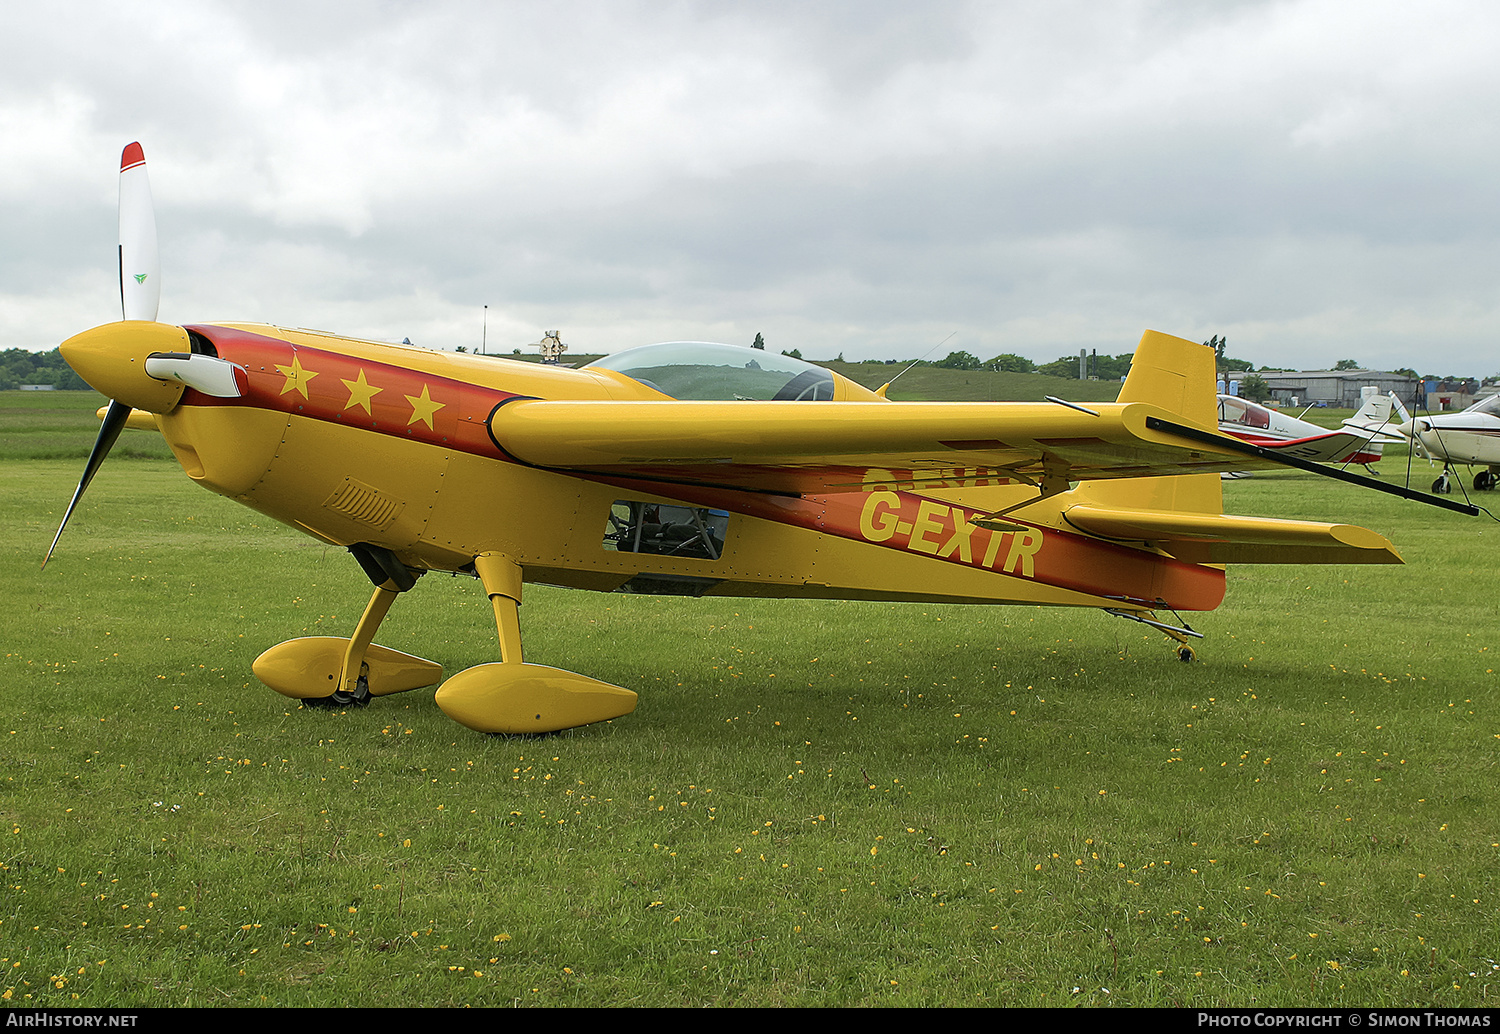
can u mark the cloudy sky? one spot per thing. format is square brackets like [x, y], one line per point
[1315, 179]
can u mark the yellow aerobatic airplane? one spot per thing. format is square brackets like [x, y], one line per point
[682, 468]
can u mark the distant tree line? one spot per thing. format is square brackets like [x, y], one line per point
[1092, 366]
[20, 366]
[1100, 367]
[1115, 367]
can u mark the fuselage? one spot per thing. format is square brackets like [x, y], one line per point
[362, 442]
[1261, 425]
[1469, 437]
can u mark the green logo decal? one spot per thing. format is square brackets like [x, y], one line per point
[140, 278]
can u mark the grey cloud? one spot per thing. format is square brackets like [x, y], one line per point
[1312, 178]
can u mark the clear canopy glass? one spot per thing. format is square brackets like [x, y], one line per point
[1243, 413]
[1489, 406]
[702, 370]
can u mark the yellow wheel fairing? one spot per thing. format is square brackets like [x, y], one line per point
[308, 668]
[528, 698]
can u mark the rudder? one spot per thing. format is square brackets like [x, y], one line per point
[1179, 376]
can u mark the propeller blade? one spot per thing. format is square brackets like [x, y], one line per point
[140, 263]
[114, 423]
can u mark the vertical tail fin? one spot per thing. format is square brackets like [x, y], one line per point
[1178, 376]
[1373, 415]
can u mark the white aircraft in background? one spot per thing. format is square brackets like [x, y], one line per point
[1470, 437]
[1360, 439]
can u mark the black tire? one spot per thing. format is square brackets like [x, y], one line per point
[339, 699]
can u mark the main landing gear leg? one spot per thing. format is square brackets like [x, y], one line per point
[354, 674]
[341, 672]
[513, 696]
[501, 578]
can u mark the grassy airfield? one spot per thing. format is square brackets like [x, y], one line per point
[814, 803]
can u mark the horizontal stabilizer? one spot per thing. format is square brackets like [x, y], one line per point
[1207, 538]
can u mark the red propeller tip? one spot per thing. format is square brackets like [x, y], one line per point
[132, 157]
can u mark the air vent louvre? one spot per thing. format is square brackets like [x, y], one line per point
[360, 502]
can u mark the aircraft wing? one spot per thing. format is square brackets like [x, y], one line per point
[805, 447]
[1333, 447]
[1374, 434]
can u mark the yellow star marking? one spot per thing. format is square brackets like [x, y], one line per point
[423, 408]
[296, 377]
[360, 393]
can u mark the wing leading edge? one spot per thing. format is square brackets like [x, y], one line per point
[804, 447]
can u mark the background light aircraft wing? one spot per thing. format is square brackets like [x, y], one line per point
[844, 446]
[1333, 447]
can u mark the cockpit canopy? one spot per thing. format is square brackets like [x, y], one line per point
[701, 370]
[1243, 413]
[1488, 407]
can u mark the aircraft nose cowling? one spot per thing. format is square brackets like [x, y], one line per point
[112, 358]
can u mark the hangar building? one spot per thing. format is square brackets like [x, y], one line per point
[1336, 388]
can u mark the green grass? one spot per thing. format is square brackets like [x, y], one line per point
[52, 425]
[814, 803]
